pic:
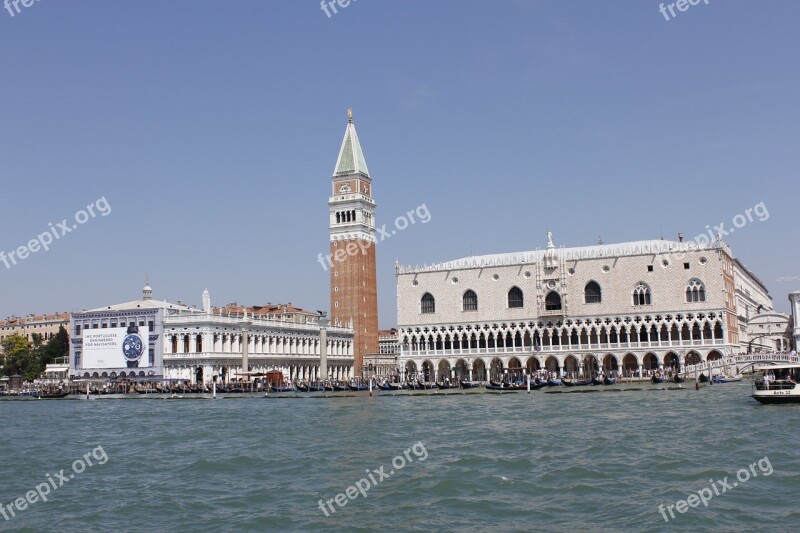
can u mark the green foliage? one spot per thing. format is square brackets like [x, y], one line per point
[29, 358]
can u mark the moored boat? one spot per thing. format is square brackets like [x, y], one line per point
[609, 381]
[728, 379]
[469, 384]
[53, 395]
[657, 379]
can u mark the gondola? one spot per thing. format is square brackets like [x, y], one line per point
[553, 382]
[492, 386]
[444, 385]
[282, 388]
[596, 381]
[316, 388]
[339, 388]
[385, 386]
[678, 379]
[469, 384]
[657, 379]
[304, 388]
[703, 378]
[357, 387]
[609, 381]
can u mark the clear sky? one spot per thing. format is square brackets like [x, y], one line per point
[212, 129]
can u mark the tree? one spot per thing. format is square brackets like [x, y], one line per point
[19, 357]
[29, 358]
[56, 347]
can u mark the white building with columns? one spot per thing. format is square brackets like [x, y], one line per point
[625, 307]
[204, 345]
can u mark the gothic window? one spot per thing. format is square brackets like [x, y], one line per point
[470, 300]
[428, 303]
[552, 302]
[641, 294]
[695, 291]
[515, 298]
[592, 293]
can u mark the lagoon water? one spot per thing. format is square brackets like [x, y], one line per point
[509, 462]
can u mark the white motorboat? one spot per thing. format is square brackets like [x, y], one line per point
[777, 384]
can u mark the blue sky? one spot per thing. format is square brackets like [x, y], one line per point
[212, 130]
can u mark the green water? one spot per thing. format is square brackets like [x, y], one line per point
[510, 462]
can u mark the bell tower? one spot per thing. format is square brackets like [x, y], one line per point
[354, 290]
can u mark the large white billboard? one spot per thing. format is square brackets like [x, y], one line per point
[115, 348]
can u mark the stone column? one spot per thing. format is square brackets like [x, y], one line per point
[323, 346]
[245, 345]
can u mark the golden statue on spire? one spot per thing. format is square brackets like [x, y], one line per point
[350, 114]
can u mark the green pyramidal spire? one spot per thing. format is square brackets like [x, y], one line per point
[351, 157]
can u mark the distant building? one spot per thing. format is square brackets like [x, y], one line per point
[221, 344]
[150, 339]
[354, 289]
[769, 332]
[385, 362]
[619, 307]
[122, 340]
[794, 299]
[45, 325]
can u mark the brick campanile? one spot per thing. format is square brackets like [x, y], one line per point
[354, 289]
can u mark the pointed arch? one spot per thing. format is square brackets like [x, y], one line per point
[552, 302]
[641, 294]
[428, 303]
[515, 298]
[469, 301]
[592, 294]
